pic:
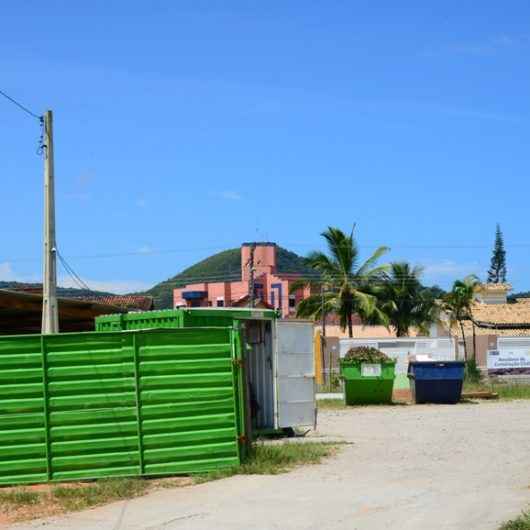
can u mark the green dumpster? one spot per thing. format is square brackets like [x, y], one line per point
[367, 380]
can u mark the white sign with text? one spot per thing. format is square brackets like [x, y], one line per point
[508, 359]
[370, 370]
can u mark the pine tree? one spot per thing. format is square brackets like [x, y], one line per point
[497, 272]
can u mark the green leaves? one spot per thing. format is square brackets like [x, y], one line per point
[457, 303]
[347, 287]
[367, 354]
[405, 301]
[497, 271]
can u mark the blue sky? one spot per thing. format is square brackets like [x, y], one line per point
[184, 128]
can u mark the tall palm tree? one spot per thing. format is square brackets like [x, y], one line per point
[458, 302]
[406, 302]
[344, 286]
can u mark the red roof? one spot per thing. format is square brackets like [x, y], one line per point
[144, 303]
[258, 303]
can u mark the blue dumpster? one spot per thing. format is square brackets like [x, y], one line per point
[436, 381]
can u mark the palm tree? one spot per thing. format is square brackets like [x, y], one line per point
[345, 286]
[406, 302]
[457, 304]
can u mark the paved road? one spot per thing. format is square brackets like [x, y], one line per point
[463, 467]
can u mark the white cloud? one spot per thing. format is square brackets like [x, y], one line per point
[84, 179]
[230, 195]
[145, 249]
[7, 274]
[485, 47]
[449, 268]
[79, 196]
[81, 187]
[111, 286]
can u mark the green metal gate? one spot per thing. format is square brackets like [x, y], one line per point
[89, 405]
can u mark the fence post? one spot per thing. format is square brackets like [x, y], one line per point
[138, 401]
[45, 396]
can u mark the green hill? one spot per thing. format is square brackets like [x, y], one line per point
[225, 265]
[63, 292]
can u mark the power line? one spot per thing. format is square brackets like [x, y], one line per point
[190, 250]
[75, 277]
[77, 282]
[20, 106]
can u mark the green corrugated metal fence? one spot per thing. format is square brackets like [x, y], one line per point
[88, 405]
[182, 317]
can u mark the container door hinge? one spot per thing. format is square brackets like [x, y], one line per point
[238, 362]
[242, 439]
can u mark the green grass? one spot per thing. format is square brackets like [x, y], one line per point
[331, 404]
[18, 498]
[334, 404]
[100, 492]
[272, 459]
[513, 391]
[505, 391]
[264, 459]
[521, 523]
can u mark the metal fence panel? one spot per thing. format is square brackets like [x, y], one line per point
[89, 405]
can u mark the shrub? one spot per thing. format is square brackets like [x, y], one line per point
[472, 373]
[367, 354]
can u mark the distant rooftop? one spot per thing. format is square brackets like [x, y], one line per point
[133, 302]
[493, 287]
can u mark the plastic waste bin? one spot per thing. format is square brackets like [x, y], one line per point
[367, 383]
[436, 381]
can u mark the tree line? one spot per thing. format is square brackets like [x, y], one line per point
[389, 294]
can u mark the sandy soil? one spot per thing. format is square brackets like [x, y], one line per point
[461, 467]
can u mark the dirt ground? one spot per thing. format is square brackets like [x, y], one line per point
[461, 467]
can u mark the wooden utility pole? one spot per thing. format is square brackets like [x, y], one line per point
[251, 276]
[323, 311]
[323, 337]
[50, 318]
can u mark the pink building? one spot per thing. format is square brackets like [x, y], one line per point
[271, 288]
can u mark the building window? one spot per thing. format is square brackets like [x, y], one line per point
[258, 290]
[220, 302]
[276, 295]
[292, 301]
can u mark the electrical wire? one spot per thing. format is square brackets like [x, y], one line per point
[75, 277]
[76, 283]
[190, 250]
[20, 106]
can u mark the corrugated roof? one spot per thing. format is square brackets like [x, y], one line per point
[21, 312]
[502, 313]
[493, 287]
[499, 319]
[144, 303]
